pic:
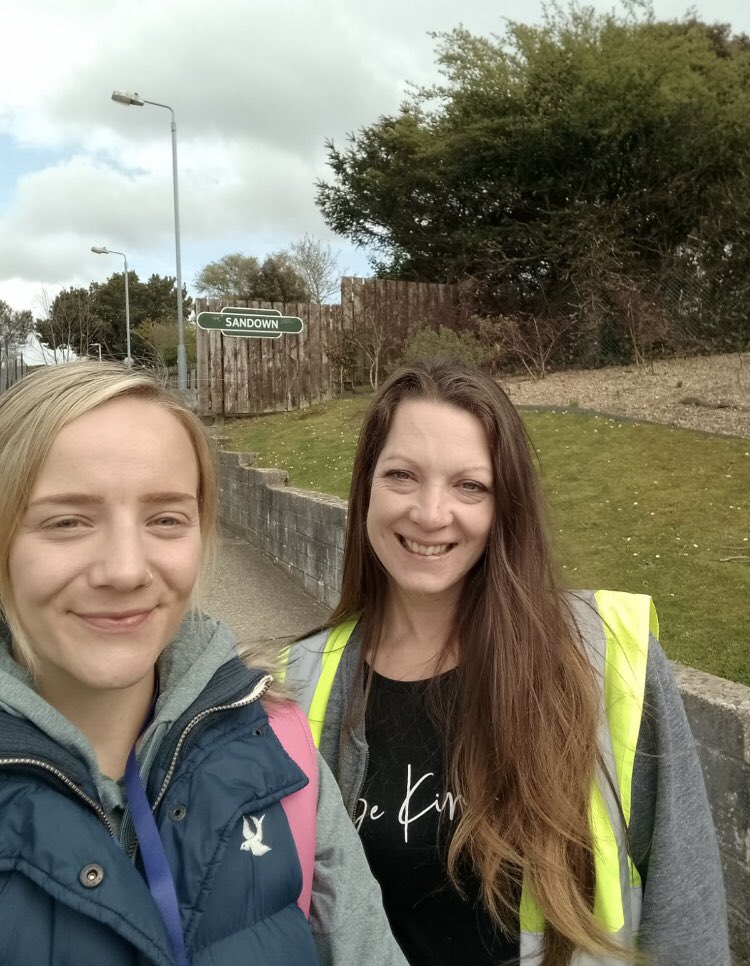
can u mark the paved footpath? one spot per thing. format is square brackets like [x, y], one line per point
[256, 598]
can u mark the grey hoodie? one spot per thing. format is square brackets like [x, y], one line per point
[672, 838]
[347, 918]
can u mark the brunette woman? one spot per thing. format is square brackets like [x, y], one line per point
[516, 758]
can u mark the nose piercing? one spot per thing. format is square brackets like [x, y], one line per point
[150, 578]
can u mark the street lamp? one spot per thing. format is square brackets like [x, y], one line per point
[135, 100]
[101, 250]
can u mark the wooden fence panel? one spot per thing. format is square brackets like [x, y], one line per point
[248, 376]
[315, 355]
[278, 369]
[229, 362]
[217, 372]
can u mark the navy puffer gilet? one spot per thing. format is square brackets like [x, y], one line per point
[69, 893]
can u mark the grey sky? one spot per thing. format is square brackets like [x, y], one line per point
[257, 88]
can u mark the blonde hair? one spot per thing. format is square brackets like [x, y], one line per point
[32, 414]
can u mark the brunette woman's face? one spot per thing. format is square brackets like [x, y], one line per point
[107, 555]
[431, 501]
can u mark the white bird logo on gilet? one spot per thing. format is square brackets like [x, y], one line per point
[254, 840]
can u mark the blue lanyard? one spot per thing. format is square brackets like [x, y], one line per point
[155, 863]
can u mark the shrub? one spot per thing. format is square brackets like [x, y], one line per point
[423, 341]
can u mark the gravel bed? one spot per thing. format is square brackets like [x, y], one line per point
[708, 393]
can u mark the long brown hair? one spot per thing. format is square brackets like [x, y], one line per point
[521, 748]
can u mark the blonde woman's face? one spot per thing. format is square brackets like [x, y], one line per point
[104, 564]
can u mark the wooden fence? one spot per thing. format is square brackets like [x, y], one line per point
[364, 300]
[245, 376]
[11, 370]
[240, 376]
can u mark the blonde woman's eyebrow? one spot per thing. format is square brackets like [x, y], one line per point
[61, 499]
[66, 499]
[169, 496]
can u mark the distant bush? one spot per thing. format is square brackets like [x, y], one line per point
[425, 342]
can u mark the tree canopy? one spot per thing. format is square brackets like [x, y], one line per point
[244, 277]
[79, 317]
[561, 165]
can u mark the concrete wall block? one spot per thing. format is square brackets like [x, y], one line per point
[339, 538]
[728, 786]
[271, 477]
[298, 559]
[330, 596]
[334, 559]
[299, 541]
[316, 507]
[312, 586]
[298, 499]
[304, 524]
[282, 534]
[277, 495]
[719, 711]
[323, 532]
[317, 561]
[335, 512]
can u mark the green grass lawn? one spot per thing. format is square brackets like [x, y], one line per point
[635, 507]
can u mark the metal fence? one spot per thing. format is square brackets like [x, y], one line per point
[12, 368]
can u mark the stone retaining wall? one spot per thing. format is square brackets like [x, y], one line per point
[303, 533]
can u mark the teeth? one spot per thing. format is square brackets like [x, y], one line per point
[424, 550]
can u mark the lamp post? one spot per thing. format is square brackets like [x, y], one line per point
[135, 100]
[102, 250]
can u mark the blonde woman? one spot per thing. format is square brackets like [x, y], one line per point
[142, 791]
[516, 759]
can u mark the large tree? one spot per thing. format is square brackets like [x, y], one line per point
[562, 166]
[244, 277]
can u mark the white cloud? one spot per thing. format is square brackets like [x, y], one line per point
[257, 86]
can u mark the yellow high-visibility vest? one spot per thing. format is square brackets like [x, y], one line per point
[615, 628]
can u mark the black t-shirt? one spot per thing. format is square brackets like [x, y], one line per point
[404, 817]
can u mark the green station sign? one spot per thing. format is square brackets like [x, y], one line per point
[251, 323]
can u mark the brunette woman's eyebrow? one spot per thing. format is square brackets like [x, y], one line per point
[464, 471]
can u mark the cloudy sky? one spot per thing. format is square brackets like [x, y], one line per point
[257, 86]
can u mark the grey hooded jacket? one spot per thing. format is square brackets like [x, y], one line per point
[672, 837]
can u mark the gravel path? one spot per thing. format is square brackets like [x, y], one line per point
[710, 393]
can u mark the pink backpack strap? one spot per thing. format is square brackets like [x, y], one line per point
[291, 728]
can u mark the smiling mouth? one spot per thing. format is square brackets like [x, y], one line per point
[425, 549]
[116, 622]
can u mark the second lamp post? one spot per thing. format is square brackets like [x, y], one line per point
[101, 250]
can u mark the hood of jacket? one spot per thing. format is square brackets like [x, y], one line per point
[186, 667]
